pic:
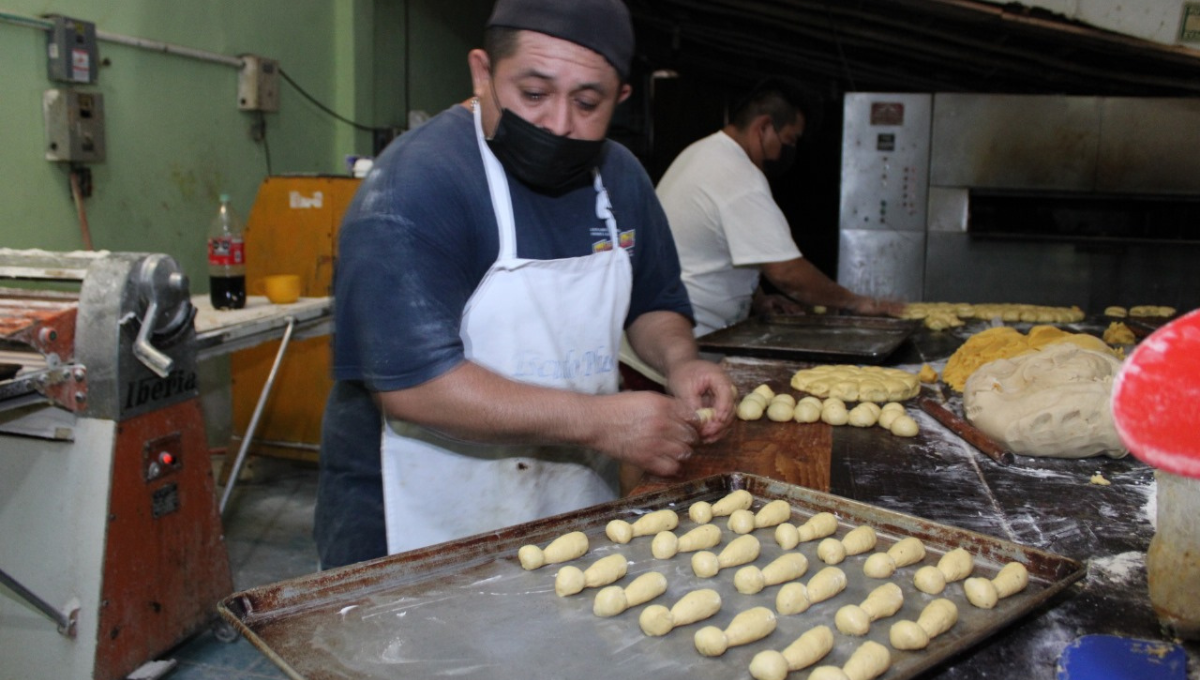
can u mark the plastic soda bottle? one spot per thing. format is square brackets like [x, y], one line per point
[226, 259]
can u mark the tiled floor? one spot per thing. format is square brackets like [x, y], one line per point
[268, 530]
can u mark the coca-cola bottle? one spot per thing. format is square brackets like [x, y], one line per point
[226, 259]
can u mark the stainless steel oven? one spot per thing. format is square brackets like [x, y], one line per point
[1057, 200]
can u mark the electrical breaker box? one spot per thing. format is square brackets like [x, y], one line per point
[258, 84]
[74, 125]
[71, 54]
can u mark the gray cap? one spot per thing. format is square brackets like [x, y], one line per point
[602, 26]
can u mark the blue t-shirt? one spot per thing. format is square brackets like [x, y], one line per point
[421, 233]
[413, 246]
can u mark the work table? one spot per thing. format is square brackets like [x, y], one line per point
[1040, 502]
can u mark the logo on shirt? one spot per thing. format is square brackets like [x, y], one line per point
[625, 239]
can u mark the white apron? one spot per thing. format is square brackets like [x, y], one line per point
[555, 323]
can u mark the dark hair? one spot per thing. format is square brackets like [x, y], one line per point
[500, 43]
[781, 99]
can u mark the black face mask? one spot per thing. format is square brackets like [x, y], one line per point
[778, 166]
[541, 159]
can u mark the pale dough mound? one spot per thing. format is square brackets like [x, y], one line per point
[1003, 342]
[857, 383]
[1151, 310]
[1053, 402]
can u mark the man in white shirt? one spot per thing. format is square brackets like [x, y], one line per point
[727, 226]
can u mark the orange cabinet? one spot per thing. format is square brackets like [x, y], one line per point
[291, 229]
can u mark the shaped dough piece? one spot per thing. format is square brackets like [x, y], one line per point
[831, 551]
[562, 549]
[787, 536]
[929, 580]
[656, 620]
[907, 551]
[740, 550]
[620, 531]
[806, 650]
[819, 525]
[956, 565]
[700, 512]
[571, 580]
[787, 567]
[748, 626]
[879, 565]
[887, 417]
[741, 521]
[774, 513]
[884, 601]
[665, 544]
[792, 598]
[613, 600]
[1013, 578]
[908, 636]
[828, 673]
[938, 617]
[869, 661]
[765, 390]
[859, 540]
[980, 592]
[825, 584]
[736, 500]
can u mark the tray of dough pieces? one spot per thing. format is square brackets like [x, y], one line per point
[469, 609]
[867, 339]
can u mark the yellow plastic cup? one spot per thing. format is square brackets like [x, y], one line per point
[282, 289]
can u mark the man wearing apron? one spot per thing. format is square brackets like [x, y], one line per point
[486, 270]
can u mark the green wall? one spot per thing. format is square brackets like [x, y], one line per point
[175, 137]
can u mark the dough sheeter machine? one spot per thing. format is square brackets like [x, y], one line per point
[111, 549]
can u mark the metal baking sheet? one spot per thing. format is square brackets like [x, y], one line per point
[467, 609]
[867, 339]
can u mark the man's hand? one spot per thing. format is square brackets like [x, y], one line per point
[870, 306]
[702, 384]
[645, 429]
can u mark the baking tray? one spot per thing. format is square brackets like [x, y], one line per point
[467, 609]
[866, 339]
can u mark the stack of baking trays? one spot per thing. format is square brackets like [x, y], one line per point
[471, 608]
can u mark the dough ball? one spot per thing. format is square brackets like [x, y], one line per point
[710, 641]
[904, 426]
[741, 521]
[701, 512]
[806, 412]
[705, 564]
[862, 415]
[750, 409]
[831, 551]
[892, 406]
[1114, 311]
[835, 416]
[887, 417]
[852, 620]
[765, 391]
[810, 400]
[1054, 402]
[784, 398]
[929, 580]
[833, 402]
[907, 635]
[768, 665]
[780, 411]
[879, 565]
[981, 592]
[757, 397]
